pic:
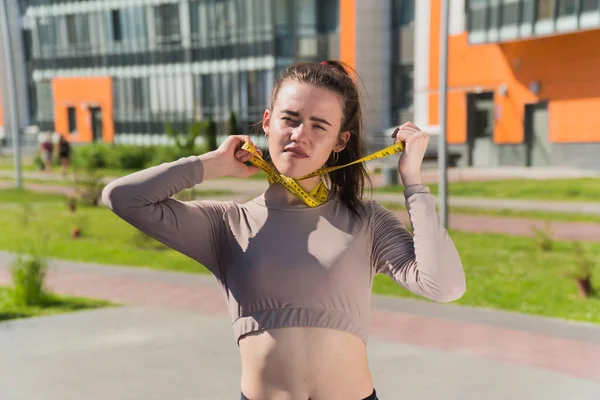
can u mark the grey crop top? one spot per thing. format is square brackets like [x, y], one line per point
[281, 265]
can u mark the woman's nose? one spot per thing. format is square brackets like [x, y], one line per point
[299, 133]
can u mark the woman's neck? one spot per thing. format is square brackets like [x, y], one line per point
[282, 195]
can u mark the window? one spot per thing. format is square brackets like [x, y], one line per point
[115, 16]
[137, 94]
[527, 11]
[47, 36]
[495, 7]
[403, 86]
[44, 103]
[510, 12]
[72, 119]
[567, 7]
[166, 19]
[327, 15]
[403, 12]
[545, 10]
[590, 5]
[307, 17]
[71, 30]
[477, 15]
[283, 17]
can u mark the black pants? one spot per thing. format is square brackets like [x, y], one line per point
[373, 396]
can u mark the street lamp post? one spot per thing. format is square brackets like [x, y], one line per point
[443, 94]
[9, 79]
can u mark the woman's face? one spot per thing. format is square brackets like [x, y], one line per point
[303, 128]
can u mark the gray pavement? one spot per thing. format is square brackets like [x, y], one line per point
[172, 339]
[143, 353]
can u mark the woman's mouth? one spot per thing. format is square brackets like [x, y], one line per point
[295, 151]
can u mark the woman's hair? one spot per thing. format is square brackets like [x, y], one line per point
[347, 183]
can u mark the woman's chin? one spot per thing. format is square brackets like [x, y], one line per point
[292, 171]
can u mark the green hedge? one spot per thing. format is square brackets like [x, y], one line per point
[127, 157]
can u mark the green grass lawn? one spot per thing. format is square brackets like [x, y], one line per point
[529, 214]
[580, 189]
[503, 272]
[52, 304]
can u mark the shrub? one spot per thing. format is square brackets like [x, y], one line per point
[28, 275]
[129, 157]
[95, 155]
[89, 186]
[543, 237]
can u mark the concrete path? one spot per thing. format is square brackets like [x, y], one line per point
[174, 341]
[253, 187]
[460, 222]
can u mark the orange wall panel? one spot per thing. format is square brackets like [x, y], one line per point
[574, 120]
[565, 65]
[83, 93]
[348, 32]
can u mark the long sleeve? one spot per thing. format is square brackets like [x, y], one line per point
[425, 263]
[143, 199]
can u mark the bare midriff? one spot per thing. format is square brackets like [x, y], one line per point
[304, 363]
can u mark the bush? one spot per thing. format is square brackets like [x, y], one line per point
[129, 157]
[89, 186]
[91, 156]
[28, 274]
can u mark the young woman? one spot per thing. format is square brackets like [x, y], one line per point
[297, 278]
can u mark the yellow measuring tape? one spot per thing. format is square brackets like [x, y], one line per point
[318, 195]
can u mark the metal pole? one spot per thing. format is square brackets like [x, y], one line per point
[13, 118]
[443, 91]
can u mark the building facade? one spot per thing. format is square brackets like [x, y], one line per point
[522, 76]
[118, 71]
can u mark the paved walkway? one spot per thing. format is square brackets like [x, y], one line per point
[252, 187]
[174, 341]
[246, 189]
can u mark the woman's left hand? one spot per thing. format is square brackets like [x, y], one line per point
[415, 144]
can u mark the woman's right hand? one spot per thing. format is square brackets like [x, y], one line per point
[229, 159]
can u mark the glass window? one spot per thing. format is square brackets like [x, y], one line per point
[403, 86]
[307, 17]
[71, 29]
[478, 15]
[567, 7]
[527, 11]
[545, 10]
[510, 12]
[590, 5]
[166, 19]
[403, 12]
[495, 13]
[138, 94]
[327, 15]
[115, 17]
[72, 119]
[283, 17]
[47, 36]
[45, 105]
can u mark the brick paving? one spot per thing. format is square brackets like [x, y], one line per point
[499, 342]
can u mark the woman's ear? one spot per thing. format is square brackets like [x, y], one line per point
[266, 121]
[342, 141]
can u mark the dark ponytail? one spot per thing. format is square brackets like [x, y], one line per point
[348, 183]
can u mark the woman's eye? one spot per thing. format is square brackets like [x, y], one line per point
[319, 127]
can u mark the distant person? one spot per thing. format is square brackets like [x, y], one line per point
[298, 277]
[46, 151]
[64, 154]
